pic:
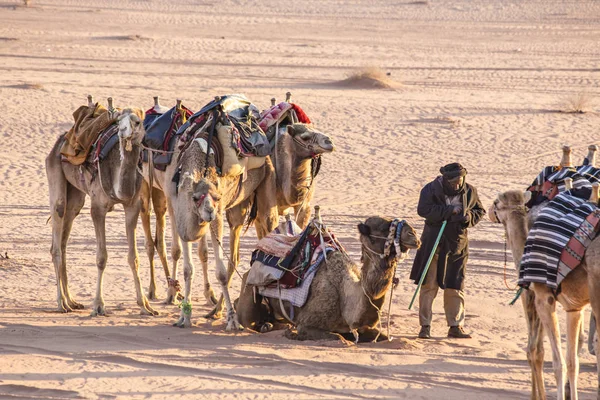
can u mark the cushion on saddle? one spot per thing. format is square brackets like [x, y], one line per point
[283, 113]
[557, 242]
[152, 114]
[89, 123]
[551, 181]
[161, 134]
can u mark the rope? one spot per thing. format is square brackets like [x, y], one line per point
[517, 296]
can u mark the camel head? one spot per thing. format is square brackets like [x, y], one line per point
[308, 141]
[205, 196]
[377, 236]
[131, 129]
[507, 203]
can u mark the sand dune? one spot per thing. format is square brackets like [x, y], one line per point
[482, 83]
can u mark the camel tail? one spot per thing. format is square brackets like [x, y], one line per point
[252, 214]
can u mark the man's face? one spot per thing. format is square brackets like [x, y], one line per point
[456, 183]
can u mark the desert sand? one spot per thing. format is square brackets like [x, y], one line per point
[478, 82]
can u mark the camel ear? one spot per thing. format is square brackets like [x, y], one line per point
[527, 196]
[364, 229]
[291, 130]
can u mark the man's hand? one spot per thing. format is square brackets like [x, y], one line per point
[456, 210]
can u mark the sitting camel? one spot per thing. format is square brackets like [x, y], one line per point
[198, 197]
[579, 288]
[344, 299]
[116, 181]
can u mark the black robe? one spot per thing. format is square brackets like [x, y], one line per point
[454, 244]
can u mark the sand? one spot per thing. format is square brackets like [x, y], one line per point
[478, 82]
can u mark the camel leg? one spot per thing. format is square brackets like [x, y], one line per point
[305, 333]
[545, 304]
[235, 217]
[267, 216]
[252, 313]
[574, 322]
[367, 335]
[148, 240]
[216, 230]
[74, 206]
[209, 294]
[185, 319]
[594, 288]
[175, 254]
[57, 184]
[535, 345]
[99, 218]
[132, 212]
[159, 203]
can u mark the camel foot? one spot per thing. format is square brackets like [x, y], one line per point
[232, 322]
[210, 297]
[146, 309]
[152, 293]
[183, 322]
[74, 305]
[267, 327]
[98, 310]
[215, 313]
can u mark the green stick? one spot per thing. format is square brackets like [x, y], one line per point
[437, 242]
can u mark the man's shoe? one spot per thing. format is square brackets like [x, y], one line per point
[458, 332]
[425, 332]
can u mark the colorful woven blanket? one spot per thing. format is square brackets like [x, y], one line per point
[557, 242]
[281, 113]
[551, 181]
[589, 172]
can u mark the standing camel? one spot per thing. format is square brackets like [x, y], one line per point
[198, 197]
[579, 288]
[117, 181]
[295, 170]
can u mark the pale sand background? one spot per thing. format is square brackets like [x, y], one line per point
[482, 83]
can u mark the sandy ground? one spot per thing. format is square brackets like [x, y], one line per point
[482, 83]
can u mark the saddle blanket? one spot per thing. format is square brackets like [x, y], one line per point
[551, 181]
[557, 242]
[589, 172]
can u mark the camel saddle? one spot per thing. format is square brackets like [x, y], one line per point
[242, 145]
[287, 245]
[281, 115]
[89, 123]
[557, 241]
[162, 133]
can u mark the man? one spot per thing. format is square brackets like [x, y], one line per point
[447, 198]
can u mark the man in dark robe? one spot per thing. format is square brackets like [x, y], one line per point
[447, 198]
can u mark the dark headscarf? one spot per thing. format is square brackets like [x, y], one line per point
[452, 171]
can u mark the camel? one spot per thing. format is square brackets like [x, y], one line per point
[344, 299]
[579, 288]
[117, 181]
[198, 198]
[295, 173]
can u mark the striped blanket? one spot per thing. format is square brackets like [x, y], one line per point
[551, 181]
[590, 173]
[557, 242]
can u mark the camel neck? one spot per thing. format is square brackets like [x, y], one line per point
[516, 232]
[293, 171]
[376, 280]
